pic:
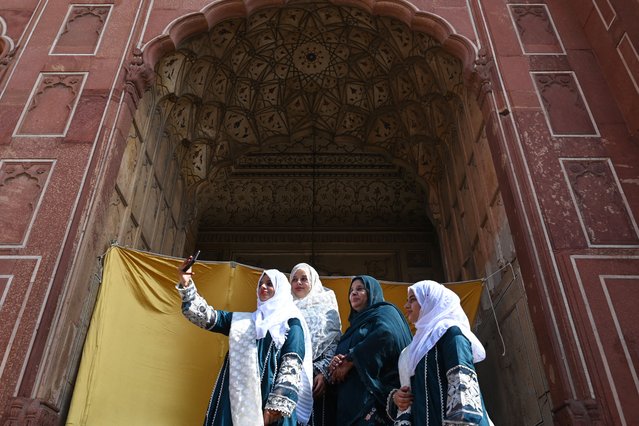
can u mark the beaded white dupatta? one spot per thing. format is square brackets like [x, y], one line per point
[244, 379]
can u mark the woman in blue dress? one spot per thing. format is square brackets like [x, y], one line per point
[365, 367]
[437, 372]
[267, 373]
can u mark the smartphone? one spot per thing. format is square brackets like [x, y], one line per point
[191, 262]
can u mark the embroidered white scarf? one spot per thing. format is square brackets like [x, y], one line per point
[325, 329]
[244, 378]
[440, 309]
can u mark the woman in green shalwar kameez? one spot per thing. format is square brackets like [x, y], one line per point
[365, 367]
[437, 373]
[266, 375]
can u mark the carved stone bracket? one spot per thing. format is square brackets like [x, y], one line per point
[579, 412]
[139, 77]
[7, 49]
[483, 68]
[29, 412]
[5, 60]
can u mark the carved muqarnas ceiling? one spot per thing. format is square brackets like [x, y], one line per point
[291, 187]
[287, 74]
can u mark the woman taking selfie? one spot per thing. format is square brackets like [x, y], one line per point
[266, 375]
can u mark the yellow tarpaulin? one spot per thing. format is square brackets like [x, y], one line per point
[144, 364]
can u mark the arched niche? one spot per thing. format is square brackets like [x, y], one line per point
[254, 114]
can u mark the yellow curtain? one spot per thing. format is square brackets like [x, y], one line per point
[143, 363]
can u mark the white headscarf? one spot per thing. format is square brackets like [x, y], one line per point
[272, 316]
[320, 309]
[440, 309]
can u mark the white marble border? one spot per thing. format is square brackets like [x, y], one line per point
[623, 59]
[23, 306]
[4, 292]
[614, 13]
[602, 278]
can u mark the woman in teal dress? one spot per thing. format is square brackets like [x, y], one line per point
[267, 373]
[437, 373]
[365, 367]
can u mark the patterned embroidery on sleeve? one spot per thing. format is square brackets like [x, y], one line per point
[288, 383]
[464, 400]
[195, 308]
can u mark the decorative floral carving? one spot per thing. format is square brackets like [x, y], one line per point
[100, 12]
[72, 82]
[562, 100]
[537, 12]
[484, 65]
[599, 199]
[35, 171]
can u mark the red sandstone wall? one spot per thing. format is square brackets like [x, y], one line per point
[610, 26]
[60, 97]
[563, 143]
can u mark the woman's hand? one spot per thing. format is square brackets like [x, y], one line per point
[335, 362]
[340, 372]
[403, 398]
[271, 416]
[319, 385]
[185, 277]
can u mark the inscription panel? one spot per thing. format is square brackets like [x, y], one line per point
[22, 185]
[603, 211]
[535, 29]
[51, 106]
[564, 105]
[82, 30]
